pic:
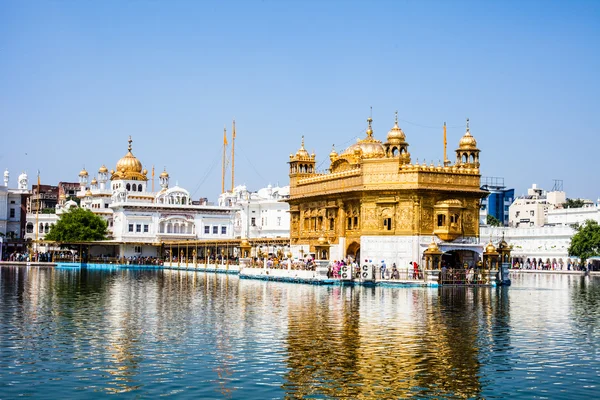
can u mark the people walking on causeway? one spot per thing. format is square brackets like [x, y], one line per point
[382, 268]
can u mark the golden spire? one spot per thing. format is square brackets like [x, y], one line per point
[153, 178]
[468, 131]
[302, 145]
[370, 129]
[129, 147]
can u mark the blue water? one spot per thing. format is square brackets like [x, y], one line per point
[149, 333]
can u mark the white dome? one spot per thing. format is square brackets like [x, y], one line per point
[174, 195]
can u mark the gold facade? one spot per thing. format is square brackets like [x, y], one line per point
[373, 188]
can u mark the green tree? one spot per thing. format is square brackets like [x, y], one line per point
[586, 242]
[78, 225]
[573, 203]
[493, 221]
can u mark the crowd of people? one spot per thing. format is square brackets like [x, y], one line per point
[375, 271]
[551, 265]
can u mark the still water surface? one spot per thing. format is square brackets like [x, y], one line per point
[150, 333]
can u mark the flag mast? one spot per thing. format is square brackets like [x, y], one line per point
[153, 179]
[232, 157]
[37, 214]
[446, 161]
[223, 170]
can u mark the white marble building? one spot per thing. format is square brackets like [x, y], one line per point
[138, 218]
[10, 206]
[260, 214]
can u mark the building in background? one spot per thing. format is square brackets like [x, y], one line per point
[13, 209]
[260, 214]
[541, 227]
[139, 219]
[498, 201]
[532, 210]
[43, 196]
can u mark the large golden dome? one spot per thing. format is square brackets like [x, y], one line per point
[467, 142]
[129, 167]
[368, 147]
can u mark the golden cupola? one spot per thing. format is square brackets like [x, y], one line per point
[103, 169]
[129, 167]
[368, 147]
[396, 135]
[302, 163]
[467, 154]
[333, 154]
[467, 142]
[396, 145]
[302, 154]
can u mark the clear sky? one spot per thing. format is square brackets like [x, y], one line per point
[77, 78]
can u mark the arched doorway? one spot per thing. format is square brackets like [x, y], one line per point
[353, 251]
[458, 258]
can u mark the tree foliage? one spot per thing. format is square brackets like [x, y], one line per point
[78, 225]
[586, 242]
[493, 221]
[573, 203]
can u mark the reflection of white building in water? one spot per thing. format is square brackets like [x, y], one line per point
[138, 218]
[261, 214]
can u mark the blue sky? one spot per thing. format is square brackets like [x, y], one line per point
[77, 78]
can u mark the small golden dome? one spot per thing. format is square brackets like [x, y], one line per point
[302, 153]
[333, 153]
[490, 248]
[103, 169]
[94, 182]
[396, 135]
[467, 142]
[62, 196]
[88, 193]
[164, 174]
[83, 172]
[322, 240]
[245, 242]
[433, 249]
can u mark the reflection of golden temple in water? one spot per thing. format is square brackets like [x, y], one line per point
[375, 203]
[429, 350]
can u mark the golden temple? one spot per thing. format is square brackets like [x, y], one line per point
[374, 202]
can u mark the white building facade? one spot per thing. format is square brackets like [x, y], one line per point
[139, 219]
[532, 210]
[260, 214]
[11, 205]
